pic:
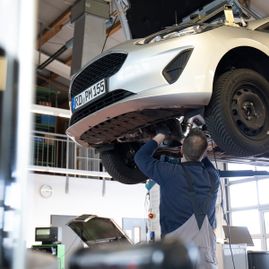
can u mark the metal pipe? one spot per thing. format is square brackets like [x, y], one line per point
[123, 19]
[54, 56]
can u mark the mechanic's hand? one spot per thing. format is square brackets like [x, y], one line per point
[159, 138]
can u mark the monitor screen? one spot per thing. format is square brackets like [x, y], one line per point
[41, 231]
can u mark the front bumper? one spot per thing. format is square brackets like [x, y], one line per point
[139, 95]
[109, 123]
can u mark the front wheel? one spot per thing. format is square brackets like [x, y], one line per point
[120, 164]
[237, 115]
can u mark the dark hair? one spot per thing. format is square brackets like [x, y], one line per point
[194, 145]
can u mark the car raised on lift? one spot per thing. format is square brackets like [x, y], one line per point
[217, 70]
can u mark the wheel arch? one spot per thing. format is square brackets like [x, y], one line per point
[243, 57]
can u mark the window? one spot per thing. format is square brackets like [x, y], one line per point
[248, 204]
[266, 221]
[263, 186]
[238, 167]
[243, 194]
[257, 245]
[248, 218]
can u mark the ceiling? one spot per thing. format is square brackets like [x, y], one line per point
[55, 30]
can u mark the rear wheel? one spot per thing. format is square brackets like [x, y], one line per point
[237, 115]
[120, 164]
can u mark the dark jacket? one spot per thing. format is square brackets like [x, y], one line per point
[175, 204]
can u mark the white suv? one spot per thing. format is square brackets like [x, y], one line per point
[217, 70]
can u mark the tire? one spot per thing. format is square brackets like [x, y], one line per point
[237, 115]
[120, 164]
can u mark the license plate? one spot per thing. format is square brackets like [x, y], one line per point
[93, 92]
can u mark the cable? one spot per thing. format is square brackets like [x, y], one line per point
[222, 207]
[214, 154]
[230, 246]
[111, 27]
[146, 208]
[68, 44]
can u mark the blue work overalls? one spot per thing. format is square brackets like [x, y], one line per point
[197, 228]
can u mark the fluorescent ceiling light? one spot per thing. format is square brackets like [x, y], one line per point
[55, 66]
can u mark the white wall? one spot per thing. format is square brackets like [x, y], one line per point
[84, 197]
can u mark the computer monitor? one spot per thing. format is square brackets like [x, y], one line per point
[238, 235]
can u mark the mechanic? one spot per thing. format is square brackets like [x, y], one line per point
[188, 193]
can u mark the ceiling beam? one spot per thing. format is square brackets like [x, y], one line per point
[68, 60]
[58, 24]
[54, 28]
[55, 66]
[54, 76]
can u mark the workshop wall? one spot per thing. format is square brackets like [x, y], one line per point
[84, 197]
